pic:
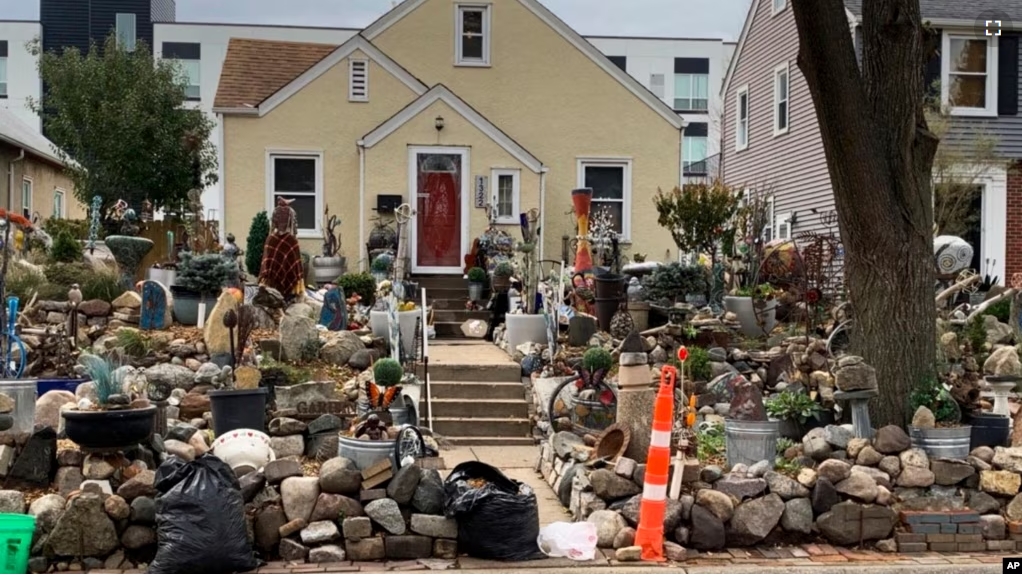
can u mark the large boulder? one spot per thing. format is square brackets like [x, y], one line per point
[340, 475]
[854, 374]
[860, 486]
[290, 396]
[740, 487]
[608, 524]
[718, 503]
[340, 346]
[84, 530]
[798, 516]
[997, 332]
[296, 335]
[753, 520]
[1008, 459]
[299, 495]
[707, 530]
[1003, 361]
[815, 444]
[176, 376]
[891, 439]
[609, 486]
[785, 486]
[47, 407]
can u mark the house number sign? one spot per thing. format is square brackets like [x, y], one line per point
[480, 191]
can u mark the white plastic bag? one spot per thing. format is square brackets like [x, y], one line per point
[575, 541]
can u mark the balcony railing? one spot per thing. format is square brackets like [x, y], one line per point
[707, 168]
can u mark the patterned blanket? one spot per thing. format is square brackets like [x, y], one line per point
[282, 264]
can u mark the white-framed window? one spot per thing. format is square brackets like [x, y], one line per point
[58, 203]
[125, 29]
[782, 111]
[472, 41]
[768, 229]
[297, 176]
[26, 197]
[611, 181]
[969, 74]
[691, 92]
[656, 85]
[742, 118]
[782, 226]
[779, 6]
[3, 68]
[358, 80]
[507, 193]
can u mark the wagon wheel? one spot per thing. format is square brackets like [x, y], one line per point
[840, 339]
[409, 444]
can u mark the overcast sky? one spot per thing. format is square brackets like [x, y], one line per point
[681, 18]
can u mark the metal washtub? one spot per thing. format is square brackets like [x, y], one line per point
[365, 453]
[943, 442]
[750, 442]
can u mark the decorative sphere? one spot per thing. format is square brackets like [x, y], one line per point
[231, 319]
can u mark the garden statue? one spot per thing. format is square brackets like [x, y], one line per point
[951, 254]
[128, 249]
[282, 267]
[129, 223]
[231, 249]
[74, 297]
[335, 310]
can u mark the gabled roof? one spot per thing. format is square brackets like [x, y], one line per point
[733, 63]
[568, 33]
[254, 70]
[17, 133]
[444, 94]
[968, 11]
[298, 79]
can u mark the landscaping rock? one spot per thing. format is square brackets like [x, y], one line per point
[798, 516]
[624, 538]
[1008, 459]
[993, 527]
[891, 439]
[289, 446]
[707, 530]
[716, 502]
[267, 526]
[674, 552]
[997, 332]
[68, 479]
[402, 487]
[362, 359]
[355, 528]
[193, 405]
[914, 457]
[282, 426]
[753, 520]
[740, 487]
[176, 376]
[890, 465]
[815, 444]
[834, 470]
[296, 334]
[608, 524]
[848, 523]
[320, 532]
[137, 537]
[854, 374]
[983, 503]
[334, 507]
[12, 501]
[94, 308]
[47, 408]
[299, 495]
[340, 475]
[1013, 511]
[280, 469]
[869, 457]
[978, 464]
[340, 346]
[710, 474]
[628, 554]
[923, 418]
[824, 496]
[294, 526]
[855, 446]
[84, 530]
[860, 486]
[116, 507]
[368, 549]
[983, 453]
[291, 550]
[946, 472]
[912, 476]
[143, 511]
[785, 486]
[429, 494]
[141, 485]
[609, 486]
[47, 510]
[807, 477]
[327, 553]
[879, 476]
[386, 514]
[838, 436]
[217, 337]
[436, 526]
[760, 468]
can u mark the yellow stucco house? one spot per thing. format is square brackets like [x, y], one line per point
[452, 106]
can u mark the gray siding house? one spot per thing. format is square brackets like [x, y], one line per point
[771, 140]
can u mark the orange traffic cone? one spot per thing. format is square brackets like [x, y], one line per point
[650, 534]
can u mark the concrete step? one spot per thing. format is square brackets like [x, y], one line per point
[504, 372]
[458, 316]
[468, 391]
[482, 427]
[490, 441]
[478, 408]
[449, 293]
[451, 281]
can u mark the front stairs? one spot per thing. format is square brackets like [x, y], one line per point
[477, 394]
[448, 296]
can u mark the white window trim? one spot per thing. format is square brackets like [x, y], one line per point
[774, 10]
[778, 131]
[516, 193]
[739, 145]
[63, 203]
[626, 189]
[316, 154]
[31, 195]
[992, 71]
[459, 10]
[351, 84]
[768, 236]
[782, 220]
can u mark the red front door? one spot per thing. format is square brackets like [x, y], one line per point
[438, 209]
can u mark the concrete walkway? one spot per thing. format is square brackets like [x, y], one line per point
[466, 352]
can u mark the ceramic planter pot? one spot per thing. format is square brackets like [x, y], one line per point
[109, 430]
[245, 450]
[186, 305]
[525, 328]
[475, 291]
[326, 270]
[756, 319]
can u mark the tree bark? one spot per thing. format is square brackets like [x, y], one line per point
[879, 153]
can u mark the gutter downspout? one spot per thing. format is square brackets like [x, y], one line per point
[361, 201]
[542, 211]
[10, 183]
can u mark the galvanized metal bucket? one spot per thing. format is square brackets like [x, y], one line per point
[750, 442]
[943, 442]
[364, 453]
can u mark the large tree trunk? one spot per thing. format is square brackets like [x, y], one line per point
[879, 154]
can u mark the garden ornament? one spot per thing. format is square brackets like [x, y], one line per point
[282, 267]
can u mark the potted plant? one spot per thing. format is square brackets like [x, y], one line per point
[595, 406]
[749, 434]
[527, 326]
[794, 410]
[113, 424]
[948, 438]
[502, 273]
[408, 314]
[382, 266]
[327, 267]
[755, 307]
[361, 284]
[200, 279]
[476, 283]
[368, 440]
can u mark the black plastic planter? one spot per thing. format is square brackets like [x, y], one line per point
[109, 430]
[609, 286]
[605, 310]
[989, 430]
[238, 409]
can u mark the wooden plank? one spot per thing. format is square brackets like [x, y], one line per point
[376, 468]
[378, 479]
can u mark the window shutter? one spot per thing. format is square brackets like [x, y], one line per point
[358, 81]
[1007, 72]
[931, 72]
[656, 84]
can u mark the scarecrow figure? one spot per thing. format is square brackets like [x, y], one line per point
[282, 256]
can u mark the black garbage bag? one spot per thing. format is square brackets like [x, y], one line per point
[498, 517]
[200, 519]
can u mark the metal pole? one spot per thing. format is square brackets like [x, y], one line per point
[425, 362]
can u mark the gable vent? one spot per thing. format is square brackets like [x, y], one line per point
[358, 81]
[656, 84]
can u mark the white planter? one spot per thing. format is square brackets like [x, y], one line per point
[525, 328]
[245, 450]
[380, 323]
[755, 323]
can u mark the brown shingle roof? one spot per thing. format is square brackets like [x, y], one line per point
[256, 69]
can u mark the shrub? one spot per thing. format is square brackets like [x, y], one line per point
[932, 393]
[79, 229]
[383, 263]
[976, 334]
[207, 273]
[596, 358]
[791, 406]
[477, 275]
[66, 248]
[22, 282]
[257, 235]
[674, 281]
[1001, 310]
[697, 366]
[66, 274]
[363, 284]
[101, 284]
[387, 372]
[503, 270]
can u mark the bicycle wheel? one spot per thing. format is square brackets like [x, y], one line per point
[409, 444]
[840, 339]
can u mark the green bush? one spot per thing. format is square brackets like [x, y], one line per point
[22, 282]
[976, 334]
[1001, 310]
[674, 281]
[79, 229]
[383, 263]
[503, 270]
[134, 342]
[66, 274]
[207, 273]
[387, 372]
[596, 358]
[791, 406]
[931, 393]
[104, 285]
[362, 284]
[257, 235]
[66, 249]
[477, 275]
[697, 366]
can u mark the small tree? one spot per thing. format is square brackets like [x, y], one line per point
[697, 215]
[257, 235]
[118, 121]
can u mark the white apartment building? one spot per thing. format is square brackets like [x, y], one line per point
[685, 72]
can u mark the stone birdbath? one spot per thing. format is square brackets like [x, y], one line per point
[128, 252]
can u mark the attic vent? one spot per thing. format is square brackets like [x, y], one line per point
[358, 81]
[656, 84]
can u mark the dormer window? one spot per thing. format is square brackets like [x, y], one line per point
[472, 44]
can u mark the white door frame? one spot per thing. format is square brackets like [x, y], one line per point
[413, 184]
